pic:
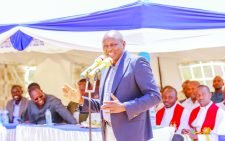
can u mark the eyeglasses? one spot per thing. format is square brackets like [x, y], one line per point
[37, 98]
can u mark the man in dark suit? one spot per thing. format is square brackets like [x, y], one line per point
[127, 92]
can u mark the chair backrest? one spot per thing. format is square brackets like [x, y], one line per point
[221, 137]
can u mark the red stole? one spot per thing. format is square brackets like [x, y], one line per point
[210, 118]
[175, 121]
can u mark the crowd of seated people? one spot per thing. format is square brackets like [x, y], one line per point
[200, 116]
[22, 110]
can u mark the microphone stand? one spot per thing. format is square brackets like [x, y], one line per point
[89, 91]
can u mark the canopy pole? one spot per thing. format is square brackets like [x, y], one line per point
[160, 74]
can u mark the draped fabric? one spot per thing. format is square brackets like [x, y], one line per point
[138, 15]
[20, 40]
[4, 28]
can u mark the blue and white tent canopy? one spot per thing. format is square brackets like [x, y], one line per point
[151, 26]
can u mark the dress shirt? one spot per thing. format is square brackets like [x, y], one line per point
[189, 105]
[168, 115]
[221, 105]
[16, 114]
[108, 87]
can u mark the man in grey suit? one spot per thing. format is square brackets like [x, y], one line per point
[40, 102]
[127, 91]
[17, 105]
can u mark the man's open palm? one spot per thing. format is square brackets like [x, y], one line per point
[72, 94]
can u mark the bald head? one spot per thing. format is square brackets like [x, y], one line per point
[218, 77]
[113, 34]
[185, 88]
[37, 96]
[193, 84]
[203, 95]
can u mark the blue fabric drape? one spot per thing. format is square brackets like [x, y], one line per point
[132, 16]
[20, 40]
[138, 15]
[4, 28]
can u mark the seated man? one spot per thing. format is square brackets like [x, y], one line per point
[222, 104]
[40, 102]
[207, 121]
[183, 95]
[74, 107]
[191, 102]
[172, 114]
[218, 86]
[17, 105]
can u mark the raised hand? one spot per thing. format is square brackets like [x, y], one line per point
[72, 94]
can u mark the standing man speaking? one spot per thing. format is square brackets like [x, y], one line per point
[127, 91]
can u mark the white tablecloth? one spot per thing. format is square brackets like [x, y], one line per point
[3, 133]
[7, 134]
[44, 133]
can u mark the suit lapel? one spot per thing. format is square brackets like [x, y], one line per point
[125, 60]
[11, 109]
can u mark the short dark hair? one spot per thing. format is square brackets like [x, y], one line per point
[16, 86]
[82, 80]
[205, 87]
[32, 86]
[168, 87]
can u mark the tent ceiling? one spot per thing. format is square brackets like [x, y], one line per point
[22, 11]
[142, 39]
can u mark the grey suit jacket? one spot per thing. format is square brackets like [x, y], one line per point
[135, 87]
[23, 108]
[58, 111]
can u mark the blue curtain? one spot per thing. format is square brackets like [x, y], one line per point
[4, 28]
[20, 40]
[138, 15]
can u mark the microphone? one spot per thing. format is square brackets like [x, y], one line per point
[107, 62]
[96, 63]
